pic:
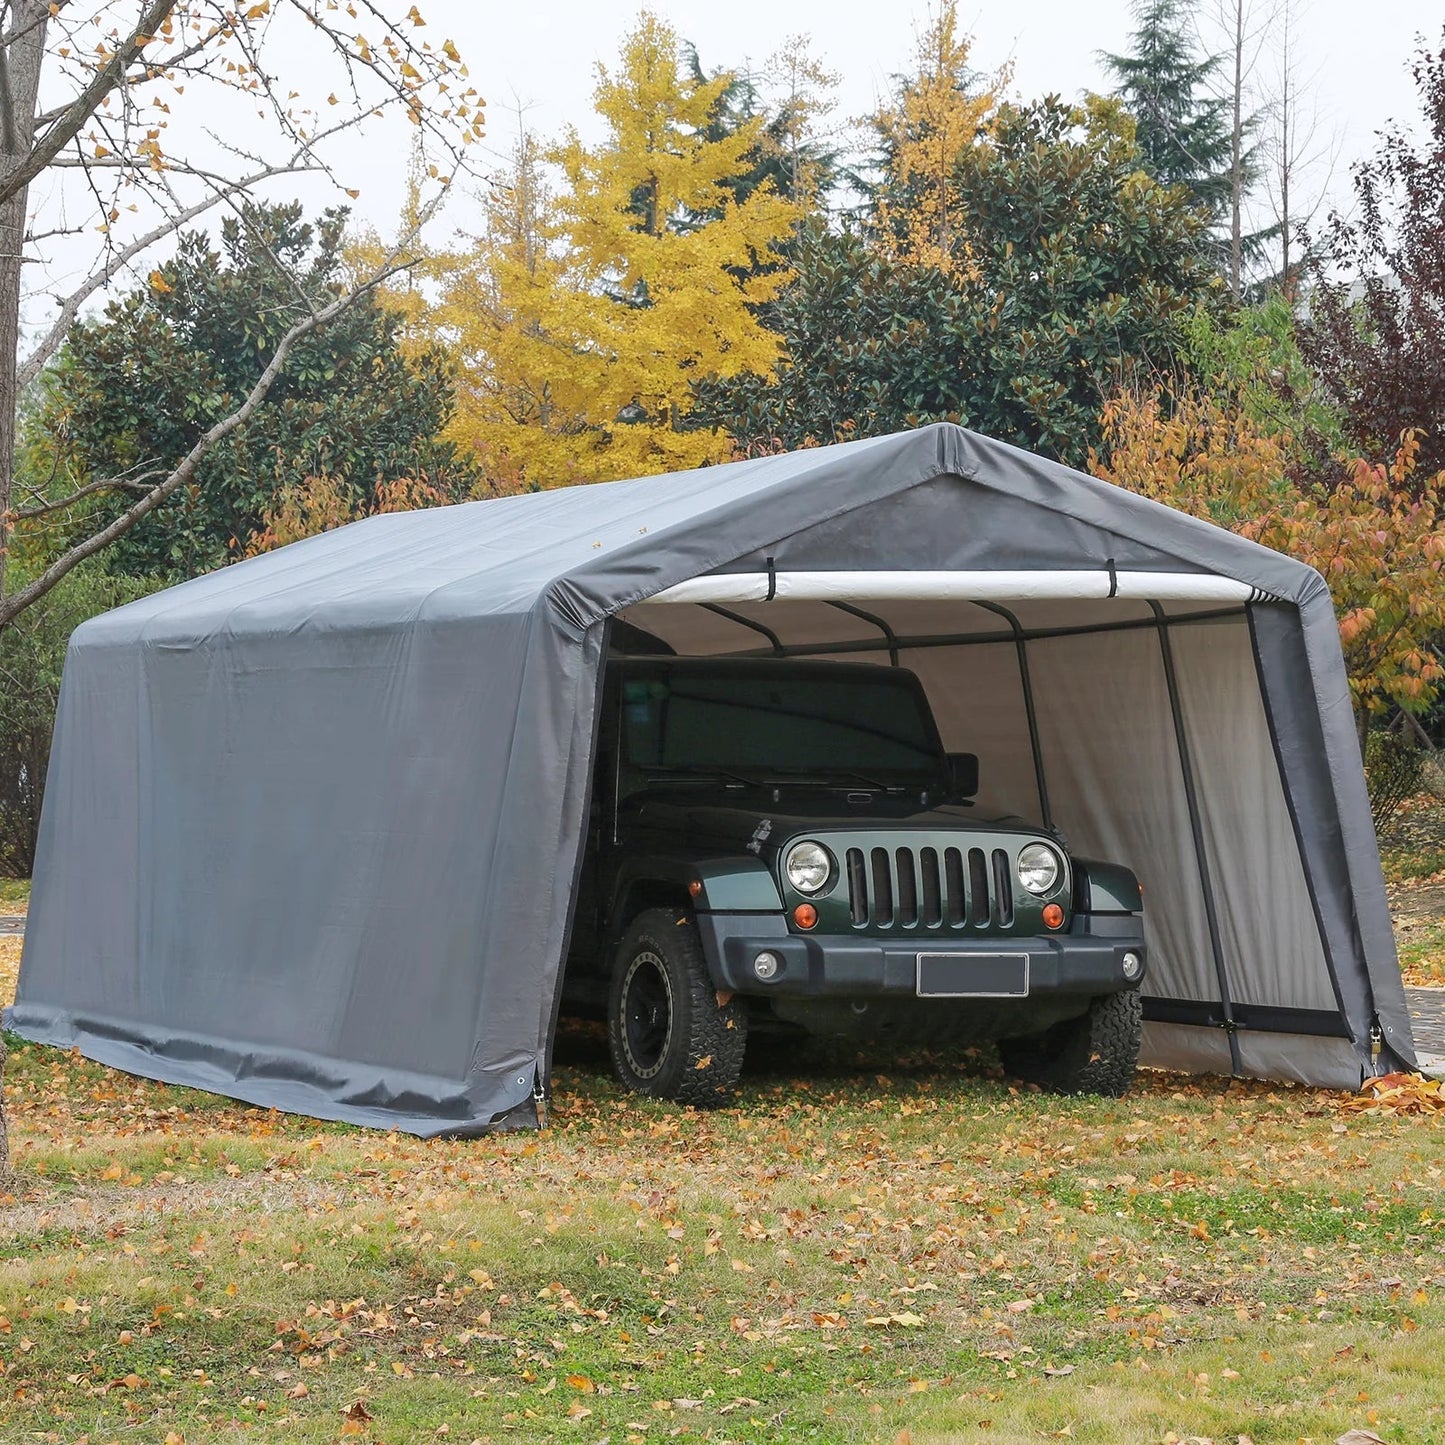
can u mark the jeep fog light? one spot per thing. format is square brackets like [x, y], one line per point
[1039, 868]
[1132, 965]
[809, 866]
[766, 965]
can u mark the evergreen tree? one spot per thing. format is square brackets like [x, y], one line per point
[1078, 266]
[1181, 130]
[780, 110]
[139, 385]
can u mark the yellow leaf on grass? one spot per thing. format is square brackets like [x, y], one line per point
[581, 1382]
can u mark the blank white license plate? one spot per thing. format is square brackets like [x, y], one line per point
[973, 975]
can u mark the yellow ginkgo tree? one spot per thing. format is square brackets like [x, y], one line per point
[942, 110]
[586, 314]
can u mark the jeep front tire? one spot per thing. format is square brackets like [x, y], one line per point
[1095, 1053]
[670, 1034]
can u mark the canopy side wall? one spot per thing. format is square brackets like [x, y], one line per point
[346, 960]
[1307, 701]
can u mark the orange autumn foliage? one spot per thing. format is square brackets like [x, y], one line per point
[321, 504]
[1377, 535]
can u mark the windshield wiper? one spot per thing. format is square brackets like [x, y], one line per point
[828, 776]
[699, 772]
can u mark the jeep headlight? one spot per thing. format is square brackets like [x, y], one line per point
[809, 866]
[1039, 868]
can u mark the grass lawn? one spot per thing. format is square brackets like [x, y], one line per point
[14, 895]
[919, 1254]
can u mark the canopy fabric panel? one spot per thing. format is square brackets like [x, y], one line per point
[313, 822]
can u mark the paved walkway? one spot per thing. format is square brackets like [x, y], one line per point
[11, 923]
[1427, 1017]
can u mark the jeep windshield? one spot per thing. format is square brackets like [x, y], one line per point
[783, 723]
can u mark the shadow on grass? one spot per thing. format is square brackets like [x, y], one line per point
[774, 1057]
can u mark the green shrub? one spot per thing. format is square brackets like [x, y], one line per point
[1394, 771]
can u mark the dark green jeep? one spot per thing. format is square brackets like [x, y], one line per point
[781, 842]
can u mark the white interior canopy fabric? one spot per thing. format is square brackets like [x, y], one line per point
[312, 822]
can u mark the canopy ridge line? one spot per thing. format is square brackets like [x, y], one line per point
[964, 586]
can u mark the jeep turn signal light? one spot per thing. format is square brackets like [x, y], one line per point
[805, 915]
[1053, 916]
[695, 887]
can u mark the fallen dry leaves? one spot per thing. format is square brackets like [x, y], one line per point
[922, 1240]
[1397, 1094]
[9, 966]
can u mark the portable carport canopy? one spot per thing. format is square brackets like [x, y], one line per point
[312, 822]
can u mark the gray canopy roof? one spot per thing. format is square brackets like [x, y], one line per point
[312, 822]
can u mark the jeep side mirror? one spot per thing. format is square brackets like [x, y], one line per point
[962, 774]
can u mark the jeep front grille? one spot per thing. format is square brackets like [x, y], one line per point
[901, 888]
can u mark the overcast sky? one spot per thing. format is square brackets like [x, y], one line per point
[543, 57]
[545, 54]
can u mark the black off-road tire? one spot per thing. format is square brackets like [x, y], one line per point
[1095, 1053]
[670, 1037]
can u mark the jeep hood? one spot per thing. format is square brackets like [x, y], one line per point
[758, 825]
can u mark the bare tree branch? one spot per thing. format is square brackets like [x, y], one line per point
[109, 484]
[150, 69]
[75, 115]
[70, 307]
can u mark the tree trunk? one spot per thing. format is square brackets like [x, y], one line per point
[1287, 103]
[19, 87]
[1236, 159]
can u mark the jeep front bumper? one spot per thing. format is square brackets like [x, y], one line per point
[1087, 959]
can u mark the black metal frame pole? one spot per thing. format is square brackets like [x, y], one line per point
[1021, 647]
[874, 621]
[913, 642]
[1196, 828]
[777, 642]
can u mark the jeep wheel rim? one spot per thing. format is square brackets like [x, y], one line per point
[646, 1014]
